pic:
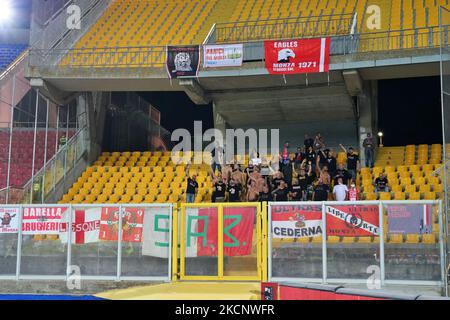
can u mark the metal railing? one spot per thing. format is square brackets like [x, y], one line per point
[301, 27]
[54, 171]
[322, 242]
[106, 242]
[152, 59]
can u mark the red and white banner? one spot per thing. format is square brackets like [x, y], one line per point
[202, 231]
[297, 56]
[352, 221]
[9, 218]
[132, 223]
[296, 221]
[85, 226]
[42, 220]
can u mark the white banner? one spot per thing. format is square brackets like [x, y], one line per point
[296, 229]
[9, 218]
[85, 226]
[156, 233]
[225, 55]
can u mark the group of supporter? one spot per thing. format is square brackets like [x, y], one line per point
[311, 174]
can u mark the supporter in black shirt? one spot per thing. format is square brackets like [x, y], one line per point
[320, 192]
[331, 163]
[218, 194]
[352, 161]
[234, 191]
[191, 189]
[287, 172]
[309, 142]
[281, 193]
[265, 195]
[296, 193]
[276, 179]
[381, 183]
[342, 173]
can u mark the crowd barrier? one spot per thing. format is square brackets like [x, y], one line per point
[393, 242]
[372, 242]
[35, 242]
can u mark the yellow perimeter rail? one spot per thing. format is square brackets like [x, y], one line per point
[260, 241]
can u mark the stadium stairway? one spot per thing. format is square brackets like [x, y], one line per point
[189, 291]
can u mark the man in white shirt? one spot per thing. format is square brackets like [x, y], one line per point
[340, 191]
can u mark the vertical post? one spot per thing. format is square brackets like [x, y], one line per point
[10, 139]
[119, 244]
[34, 145]
[265, 231]
[174, 246]
[56, 148]
[382, 231]
[444, 142]
[67, 140]
[170, 253]
[19, 243]
[269, 237]
[442, 251]
[259, 240]
[324, 245]
[182, 240]
[69, 241]
[220, 221]
[45, 155]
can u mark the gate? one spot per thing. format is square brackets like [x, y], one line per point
[223, 241]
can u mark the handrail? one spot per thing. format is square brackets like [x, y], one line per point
[338, 17]
[14, 64]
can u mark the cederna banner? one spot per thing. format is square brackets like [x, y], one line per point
[297, 56]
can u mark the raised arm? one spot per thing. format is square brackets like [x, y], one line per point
[342, 147]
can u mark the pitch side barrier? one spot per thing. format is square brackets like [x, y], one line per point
[107, 242]
[368, 242]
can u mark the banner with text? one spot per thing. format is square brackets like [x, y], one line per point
[352, 221]
[297, 56]
[182, 61]
[227, 55]
[409, 218]
[9, 220]
[42, 220]
[296, 221]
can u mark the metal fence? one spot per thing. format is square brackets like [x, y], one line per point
[115, 242]
[117, 61]
[367, 242]
[301, 27]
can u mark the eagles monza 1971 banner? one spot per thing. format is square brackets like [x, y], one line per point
[352, 221]
[182, 61]
[296, 221]
[297, 56]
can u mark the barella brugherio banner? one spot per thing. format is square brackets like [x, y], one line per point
[182, 61]
[223, 55]
[297, 56]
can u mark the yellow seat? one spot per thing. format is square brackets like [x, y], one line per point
[395, 238]
[333, 239]
[385, 196]
[412, 238]
[430, 195]
[429, 239]
[414, 196]
[399, 196]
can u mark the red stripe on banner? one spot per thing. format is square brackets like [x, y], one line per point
[79, 220]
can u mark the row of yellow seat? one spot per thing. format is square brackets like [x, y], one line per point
[431, 238]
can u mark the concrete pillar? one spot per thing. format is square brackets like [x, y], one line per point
[95, 106]
[219, 122]
[368, 114]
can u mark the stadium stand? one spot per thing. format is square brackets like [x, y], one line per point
[9, 53]
[135, 177]
[410, 171]
[22, 154]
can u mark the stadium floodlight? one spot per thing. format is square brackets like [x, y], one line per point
[5, 10]
[380, 134]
